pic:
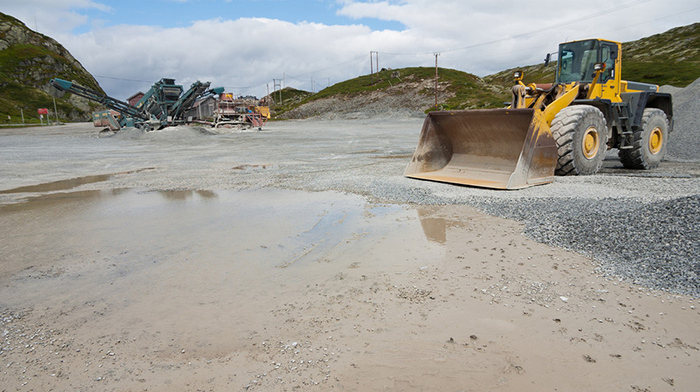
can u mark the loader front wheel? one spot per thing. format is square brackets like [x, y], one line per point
[649, 146]
[581, 135]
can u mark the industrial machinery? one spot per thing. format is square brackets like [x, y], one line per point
[232, 113]
[563, 128]
[163, 105]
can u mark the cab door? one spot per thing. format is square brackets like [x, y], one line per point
[610, 78]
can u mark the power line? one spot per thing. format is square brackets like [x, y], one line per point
[122, 79]
[579, 19]
[654, 20]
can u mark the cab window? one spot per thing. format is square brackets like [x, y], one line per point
[608, 54]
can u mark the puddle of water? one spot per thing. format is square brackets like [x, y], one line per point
[124, 244]
[182, 262]
[63, 185]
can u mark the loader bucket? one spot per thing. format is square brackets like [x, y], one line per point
[495, 148]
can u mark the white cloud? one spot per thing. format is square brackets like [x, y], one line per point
[232, 53]
[480, 37]
[50, 17]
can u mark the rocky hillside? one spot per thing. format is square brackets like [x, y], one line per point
[402, 91]
[28, 60]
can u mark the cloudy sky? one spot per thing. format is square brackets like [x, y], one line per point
[246, 46]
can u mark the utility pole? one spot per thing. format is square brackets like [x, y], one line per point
[373, 55]
[55, 112]
[277, 83]
[436, 79]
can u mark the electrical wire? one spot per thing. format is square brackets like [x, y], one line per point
[521, 35]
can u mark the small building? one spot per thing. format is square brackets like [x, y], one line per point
[134, 99]
[203, 109]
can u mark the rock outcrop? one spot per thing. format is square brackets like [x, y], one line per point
[28, 60]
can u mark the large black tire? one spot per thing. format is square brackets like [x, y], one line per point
[650, 140]
[581, 134]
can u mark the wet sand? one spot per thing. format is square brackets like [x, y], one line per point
[135, 289]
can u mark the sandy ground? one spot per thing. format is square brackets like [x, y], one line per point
[107, 287]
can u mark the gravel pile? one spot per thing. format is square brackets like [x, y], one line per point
[684, 141]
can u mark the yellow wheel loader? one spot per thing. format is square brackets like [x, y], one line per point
[563, 128]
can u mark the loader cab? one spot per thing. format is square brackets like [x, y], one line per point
[577, 61]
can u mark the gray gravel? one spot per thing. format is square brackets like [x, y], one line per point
[640, 226]
[685, 139]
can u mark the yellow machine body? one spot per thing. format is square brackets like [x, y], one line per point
[514, 148]
[492, 148]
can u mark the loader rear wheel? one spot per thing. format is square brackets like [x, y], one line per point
[581, 135]
[649, 146]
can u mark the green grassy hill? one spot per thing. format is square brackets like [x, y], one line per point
[28, 60]
[465, 90]
[286, 98]
[670, 58]
[416, 85]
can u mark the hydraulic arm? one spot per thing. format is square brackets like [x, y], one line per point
[105, 100]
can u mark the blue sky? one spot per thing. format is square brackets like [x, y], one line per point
[172, 13]
[247, 45]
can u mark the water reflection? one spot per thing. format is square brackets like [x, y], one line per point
[435, 228]
[180, 195]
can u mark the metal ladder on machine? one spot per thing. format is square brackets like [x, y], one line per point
[621, 116]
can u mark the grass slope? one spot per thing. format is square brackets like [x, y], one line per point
[465, 91]
[670, 58]
[25, 71]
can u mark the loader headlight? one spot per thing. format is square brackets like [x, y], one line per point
[518, 75]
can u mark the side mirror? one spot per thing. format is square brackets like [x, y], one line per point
[599, 66]
[547, 59]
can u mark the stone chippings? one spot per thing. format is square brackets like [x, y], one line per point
[684, 140]
[654, 244]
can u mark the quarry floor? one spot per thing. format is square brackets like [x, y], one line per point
[299, 258]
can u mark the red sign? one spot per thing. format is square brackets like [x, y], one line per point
[42, 111]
